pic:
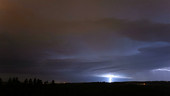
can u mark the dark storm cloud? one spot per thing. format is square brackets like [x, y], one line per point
[143, 30]
[137, 9]
[80, 38]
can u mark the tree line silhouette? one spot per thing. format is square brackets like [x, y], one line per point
[36, 87]
[30, 81]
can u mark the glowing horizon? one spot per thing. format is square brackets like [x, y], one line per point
[111, 77]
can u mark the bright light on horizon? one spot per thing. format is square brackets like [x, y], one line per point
[111, 77]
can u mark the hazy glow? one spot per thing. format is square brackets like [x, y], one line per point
[111, 77]
[162, 69]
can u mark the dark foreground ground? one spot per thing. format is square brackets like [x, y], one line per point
[88, 89]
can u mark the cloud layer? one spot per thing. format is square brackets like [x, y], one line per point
[79, 39]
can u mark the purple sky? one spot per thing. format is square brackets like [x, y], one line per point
[79, 40]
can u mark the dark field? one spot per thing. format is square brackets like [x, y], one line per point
[87, 89]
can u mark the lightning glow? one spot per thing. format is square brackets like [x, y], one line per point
[111, 77]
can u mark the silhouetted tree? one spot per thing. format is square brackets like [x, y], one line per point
[30, 81]
[26, 81]
[53, 82]
[13, 80]
[0, 81]
[17, 80]
[10, 81]
[35, 81]
[39, 82]
[46, 82]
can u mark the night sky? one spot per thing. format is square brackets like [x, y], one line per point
[84, 40]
